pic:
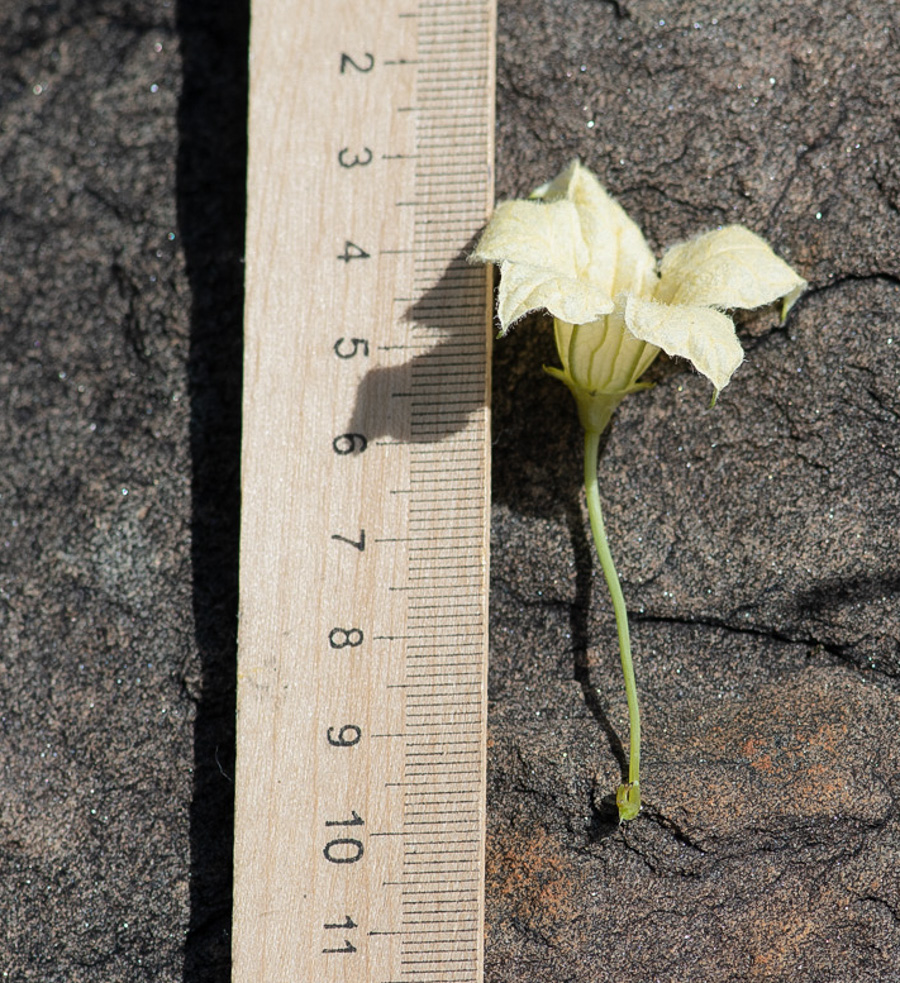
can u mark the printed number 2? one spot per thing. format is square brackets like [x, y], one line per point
[348, 62]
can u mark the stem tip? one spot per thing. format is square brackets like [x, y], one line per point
[628, 799]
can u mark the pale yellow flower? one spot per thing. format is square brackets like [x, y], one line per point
[573, 251]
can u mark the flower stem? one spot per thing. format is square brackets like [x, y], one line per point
[628, 797]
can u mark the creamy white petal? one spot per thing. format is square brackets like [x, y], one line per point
[703, 336]
[525, 288]
[728, 268]
[619, 258]
[535, 234]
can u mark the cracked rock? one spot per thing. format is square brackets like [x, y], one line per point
[757, 542]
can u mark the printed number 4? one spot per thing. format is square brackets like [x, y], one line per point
[352, 251]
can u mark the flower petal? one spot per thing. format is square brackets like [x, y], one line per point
[525, 288]
[728, 268]
[536, 235]
[705, 337]
[619, 258]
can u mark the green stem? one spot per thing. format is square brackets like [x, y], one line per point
[628, 797]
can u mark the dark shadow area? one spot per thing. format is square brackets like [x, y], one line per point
[431, 394]
[537, 471]
[604, 811]
[604, 816]
[583, 549]
[838, 592]
[537, 439]
[538, 442]
[211, 175]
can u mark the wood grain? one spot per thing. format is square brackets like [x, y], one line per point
[363, 614]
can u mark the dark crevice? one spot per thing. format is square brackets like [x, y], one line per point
[619, 9]
[842, 654]
[821, 141]
[871, 899]
[842, 279]
[668, 196]
[808, 641]
[670, 826]
[814, 290]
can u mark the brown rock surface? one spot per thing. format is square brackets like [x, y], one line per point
[757, 542]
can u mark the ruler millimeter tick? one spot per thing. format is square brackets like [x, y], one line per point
[359, 840]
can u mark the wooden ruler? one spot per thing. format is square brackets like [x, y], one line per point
[364, 543]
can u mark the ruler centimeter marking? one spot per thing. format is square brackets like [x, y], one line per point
[362, 666]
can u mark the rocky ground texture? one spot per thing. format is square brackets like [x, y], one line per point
[757, 541]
